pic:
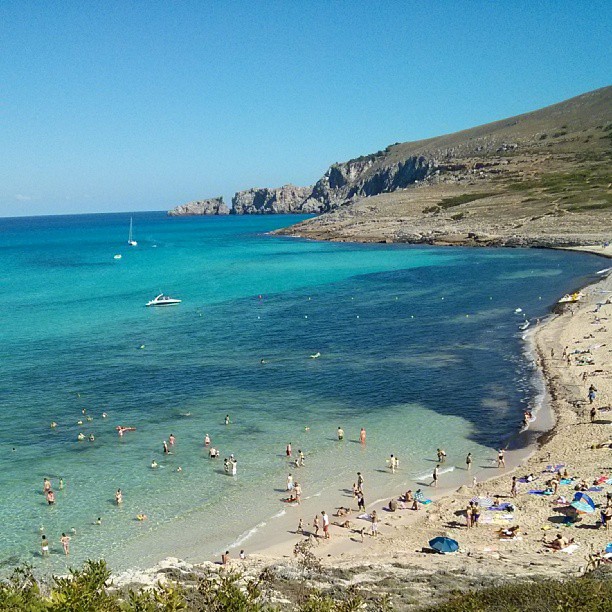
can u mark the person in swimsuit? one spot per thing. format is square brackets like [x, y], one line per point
[288, 450]
[325, 525]
[468, 461]
[227, 419]
[50, 497]
[166, 450]
[435, 476]
[207, 440]
[501, 460]
[171, 439]
[362, 436]
[340, 433]
[316, 525]
[65, 540]
[44, 546]
[118, 497]
[46, 485]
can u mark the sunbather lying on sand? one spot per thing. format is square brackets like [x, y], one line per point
[510, 533]
[559, 543]
[342, 511]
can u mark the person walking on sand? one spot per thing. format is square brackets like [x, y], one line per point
[297, 491]
[514, 488]
[340, 433]
[362, 436]
[468, 515]
[593, 413]
[592, 394]
[374, 523]
[325, 524]
[468, 462]
[501, 460]
[316, 525]
[300, 527]
[435, 476]
[65, 540]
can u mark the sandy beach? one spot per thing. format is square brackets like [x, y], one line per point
[573, 349]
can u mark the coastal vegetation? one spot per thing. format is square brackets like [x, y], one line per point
[90, 589]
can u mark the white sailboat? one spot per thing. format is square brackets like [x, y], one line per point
[131, 240]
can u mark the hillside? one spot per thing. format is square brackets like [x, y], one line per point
[543, 177]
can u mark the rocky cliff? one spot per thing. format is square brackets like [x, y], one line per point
[212, 206]
[285, 199]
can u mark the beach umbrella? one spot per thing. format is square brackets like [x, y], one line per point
[444, 545]
[583, 497]
[581, 506]
[483, 501]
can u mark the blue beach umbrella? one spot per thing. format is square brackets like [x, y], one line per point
[582, 506]
[583, 497]
[444, 545]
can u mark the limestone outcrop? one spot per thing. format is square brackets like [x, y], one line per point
[265, 201]
[211, 206]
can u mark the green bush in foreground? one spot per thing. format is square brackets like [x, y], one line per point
[579, 594]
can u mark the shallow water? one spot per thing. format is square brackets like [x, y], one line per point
[418, 345]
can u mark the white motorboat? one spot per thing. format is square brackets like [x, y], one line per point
[131, 240]
[163, 300]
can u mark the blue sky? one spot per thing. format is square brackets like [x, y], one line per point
[142, 105]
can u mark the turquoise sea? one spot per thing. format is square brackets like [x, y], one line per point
[419, 345]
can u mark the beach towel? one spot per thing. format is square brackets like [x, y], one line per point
[551, 469]
[501, 507]
[595, 489]
[365, 517]
[570, 549]
[536, 492]
[425, 501]
[524, 480]
[609, 481]
[566, 481]
[601, 479]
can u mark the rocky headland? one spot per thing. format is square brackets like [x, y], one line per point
[212, 206]
[538, 179]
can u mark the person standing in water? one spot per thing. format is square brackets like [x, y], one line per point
[166, 450]
[227, 419]
[359, 482]
[468, 461]
[118, 497]
[288, 450]
[65, 540]
[362, 436]
[44, 546]
[207, 440]
[501, 461]
[171, 439]
[340, 433]
[435, 476]
[289, 482]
